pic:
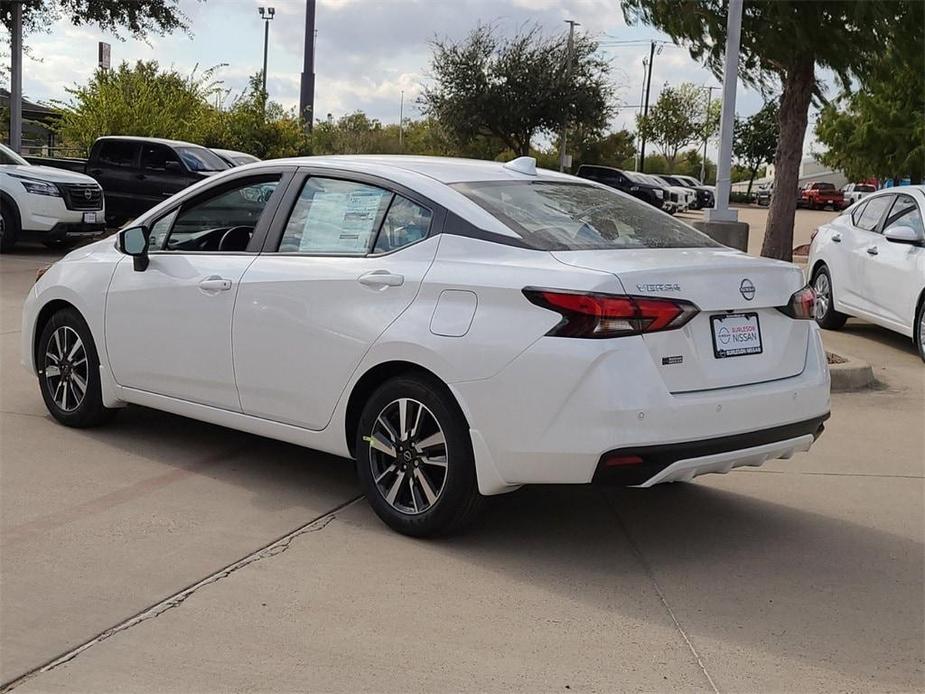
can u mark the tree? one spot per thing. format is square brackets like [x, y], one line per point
[879, 131]
[610, 149]
[783, 42]
[678, 119]
[140, 17]
[754, 140]
[514, 89]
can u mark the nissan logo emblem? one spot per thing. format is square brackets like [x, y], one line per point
[747, 289]
[88, 193]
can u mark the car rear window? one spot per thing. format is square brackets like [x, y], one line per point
[862, 188]
[560, 216]
[824, 186]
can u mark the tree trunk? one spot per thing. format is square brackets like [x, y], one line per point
[794, 108]
[751, 180]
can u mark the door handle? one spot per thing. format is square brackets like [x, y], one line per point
[215, 284]
[872, 250]
[836, 238]
[381, 278]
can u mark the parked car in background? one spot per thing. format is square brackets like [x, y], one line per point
[685, 193]
[136, 173]
[764, 193]
[705, 195]
[457, 328]
[233, 158]
[856, 191]
[626, 181]
[38, 203]
[869, 262]
[818, 196]
[674, 201]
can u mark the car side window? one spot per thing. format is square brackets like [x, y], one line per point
[405, 223]
[335, 217]
[873, 212]
[905, 212]
[155, 157]
[221, 220]
[117, 153]
[160, 229]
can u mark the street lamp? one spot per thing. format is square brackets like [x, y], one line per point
[266, 14]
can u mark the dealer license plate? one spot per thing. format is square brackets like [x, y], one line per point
[91, 217]
[735, 334]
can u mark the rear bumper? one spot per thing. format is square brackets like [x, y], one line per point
[552, 414]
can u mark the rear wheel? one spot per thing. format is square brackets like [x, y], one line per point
[826, 315]
[415, 460]
[9, 228]
[69, 372]
[919, 328]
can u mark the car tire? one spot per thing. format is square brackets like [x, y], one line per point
[419, 479]
[919, 328]
[65, 359]
[9, 230]
[826, 315]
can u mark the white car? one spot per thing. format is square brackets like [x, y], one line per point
[235, 158]
[460, 328]
[39, 203]
[856, 191]
[869, 262]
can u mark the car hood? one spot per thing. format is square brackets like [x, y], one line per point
[46, 173]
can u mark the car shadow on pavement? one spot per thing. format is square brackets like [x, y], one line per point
[880, 335]
[746, 572]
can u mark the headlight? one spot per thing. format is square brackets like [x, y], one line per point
[41, 188]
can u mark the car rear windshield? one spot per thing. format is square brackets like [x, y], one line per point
[824, 186]
[201, 159]
[559, 216]
[863, 188]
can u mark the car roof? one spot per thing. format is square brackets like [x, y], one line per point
[445, 170]
[150, 140]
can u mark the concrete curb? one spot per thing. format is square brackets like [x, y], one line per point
[853, 374]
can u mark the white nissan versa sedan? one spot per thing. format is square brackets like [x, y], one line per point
[460, 328]
[869, 262]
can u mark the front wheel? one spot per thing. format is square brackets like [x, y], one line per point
[9, 229]
[919, 328]
[414, 458]
[826, 315]
[69, 372]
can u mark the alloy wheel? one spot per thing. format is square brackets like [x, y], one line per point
[823, 295]
[408, 456]
[66, 369]
[922, 328]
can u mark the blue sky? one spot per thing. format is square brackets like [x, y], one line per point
[368, 51]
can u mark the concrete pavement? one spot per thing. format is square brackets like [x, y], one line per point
[804, 575]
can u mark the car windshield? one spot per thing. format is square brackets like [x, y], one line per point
[670, 180]
[201, 159]
[558, 216]
[9, 157]
[652, 180]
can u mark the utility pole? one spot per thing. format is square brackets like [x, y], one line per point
[721, 212]
[645, 106]
[401, 122]
[307, 87]
[569, 58]
[266, 14]
[642, 96]
[703, 162]
[16, 80]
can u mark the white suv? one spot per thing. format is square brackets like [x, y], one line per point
[45, 204]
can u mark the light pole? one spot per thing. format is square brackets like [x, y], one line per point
[16, 79]
[645, 105]
[266, 14]
[703, 162]
[401, 122]
[568, 74]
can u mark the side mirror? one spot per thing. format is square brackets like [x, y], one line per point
[134, 242]
[903, 234]
[173, 166]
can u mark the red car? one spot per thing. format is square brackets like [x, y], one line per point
[817, 196]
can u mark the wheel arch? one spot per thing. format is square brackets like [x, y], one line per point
[374, 377]
[7, 200]
[44, 315]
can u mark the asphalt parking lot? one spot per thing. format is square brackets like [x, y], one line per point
[160, 554]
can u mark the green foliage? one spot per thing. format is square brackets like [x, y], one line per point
[686, 164]
[678, 118]
[741, 173]
[140, 17]
[512, 89]
[879, 131]
[755, 140]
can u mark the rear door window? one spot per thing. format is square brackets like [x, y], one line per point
[119, 153]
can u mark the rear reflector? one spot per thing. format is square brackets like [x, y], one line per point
[594, 315]
[802, 304]
[618, 460]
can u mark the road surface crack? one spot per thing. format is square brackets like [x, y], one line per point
[269, 551]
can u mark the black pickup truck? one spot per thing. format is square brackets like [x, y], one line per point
[136, 173]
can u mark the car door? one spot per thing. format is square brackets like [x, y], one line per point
[344, 261]
[168, 328]
[156, 181]
[856, 251]
[114, 165]
[889, 268]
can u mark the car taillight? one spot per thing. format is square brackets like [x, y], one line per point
[802, 304]
[594, 315]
